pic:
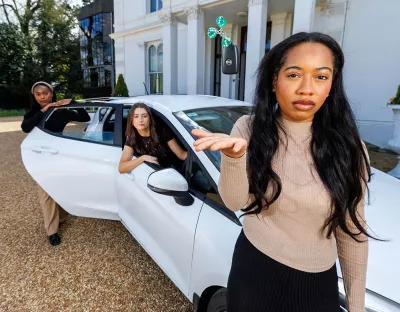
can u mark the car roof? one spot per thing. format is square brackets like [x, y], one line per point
[177, 103]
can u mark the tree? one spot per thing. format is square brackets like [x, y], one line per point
[121, 88]
[48, 44]
[12, 51]
[57, 46]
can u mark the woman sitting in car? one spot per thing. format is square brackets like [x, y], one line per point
[156, 144]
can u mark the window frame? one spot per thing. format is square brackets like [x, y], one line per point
[207, 200]
[117, 138]
[159, 6]
[156, 46]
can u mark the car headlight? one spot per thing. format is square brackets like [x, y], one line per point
[373, 302]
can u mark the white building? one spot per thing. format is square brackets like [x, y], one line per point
[163, 44]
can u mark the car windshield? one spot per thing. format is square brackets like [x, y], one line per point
[214, 119]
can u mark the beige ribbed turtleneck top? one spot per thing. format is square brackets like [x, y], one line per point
[289, 231]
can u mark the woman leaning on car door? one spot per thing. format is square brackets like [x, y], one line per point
[298, 170]
[42, 98]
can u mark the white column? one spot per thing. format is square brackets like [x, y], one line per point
[119, 58]
[170, 54]
[256, 35]
[226, 79]
[278, 28]
[303, 15]
[288, 25]
[141, 69]
[196, 50]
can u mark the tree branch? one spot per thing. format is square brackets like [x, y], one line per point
[5, 11]
[36, 6]
[15, 10]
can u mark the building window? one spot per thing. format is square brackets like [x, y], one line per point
[155, 5]
[96, 50]
[156, 69]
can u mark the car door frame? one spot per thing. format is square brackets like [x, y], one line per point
[117, 138]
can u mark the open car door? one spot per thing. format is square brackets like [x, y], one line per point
[77, 167]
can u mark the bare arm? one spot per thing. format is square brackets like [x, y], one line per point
[177, 149]
[127, 164]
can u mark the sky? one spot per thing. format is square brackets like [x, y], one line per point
[77, 2]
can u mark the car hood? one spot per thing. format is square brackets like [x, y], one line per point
[383, 217]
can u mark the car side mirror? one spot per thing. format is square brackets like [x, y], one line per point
[171, 183]
[230, 60]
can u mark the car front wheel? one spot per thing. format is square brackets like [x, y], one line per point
[217, 302]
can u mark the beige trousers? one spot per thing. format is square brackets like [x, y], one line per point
[53, 214]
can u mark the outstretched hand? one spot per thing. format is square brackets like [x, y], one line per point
[230, 146]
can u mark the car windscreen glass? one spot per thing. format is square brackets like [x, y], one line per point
[212, 119]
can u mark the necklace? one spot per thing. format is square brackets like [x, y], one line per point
[146, 141]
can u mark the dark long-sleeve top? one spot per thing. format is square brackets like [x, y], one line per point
[57, 121]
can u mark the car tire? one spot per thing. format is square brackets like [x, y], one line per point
[217, 302]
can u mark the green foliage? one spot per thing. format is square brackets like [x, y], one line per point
[61, 96]
[396, 99]
[12, 51]
[40, 42]
[12, 112]
[121, 88]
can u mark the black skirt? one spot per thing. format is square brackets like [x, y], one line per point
[257, 283]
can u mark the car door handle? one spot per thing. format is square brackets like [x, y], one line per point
[44, 149]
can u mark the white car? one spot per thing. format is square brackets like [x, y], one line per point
[179, 218]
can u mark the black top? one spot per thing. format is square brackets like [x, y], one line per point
[166, 157]
[57, 121]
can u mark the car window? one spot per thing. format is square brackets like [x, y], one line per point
[102, 113]
[214, 119]
[82, 123]
[200, 182]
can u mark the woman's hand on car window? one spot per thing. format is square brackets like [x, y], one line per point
[44, 109]
[63, 102]
[55, 104]
[150, 159]
[230, 146]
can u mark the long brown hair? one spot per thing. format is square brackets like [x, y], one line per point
[135, 140]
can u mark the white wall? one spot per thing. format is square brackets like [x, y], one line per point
[332, 22]
[372, 70]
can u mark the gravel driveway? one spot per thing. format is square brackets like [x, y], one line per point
[97, 267]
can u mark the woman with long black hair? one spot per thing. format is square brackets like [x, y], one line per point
[298, 169]
[42, 98]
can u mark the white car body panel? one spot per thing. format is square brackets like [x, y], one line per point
[383, 217]
[216, 235]
[192, 244]
[88, 172]
[164, 228]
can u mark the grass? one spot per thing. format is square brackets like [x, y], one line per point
[11, 112]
